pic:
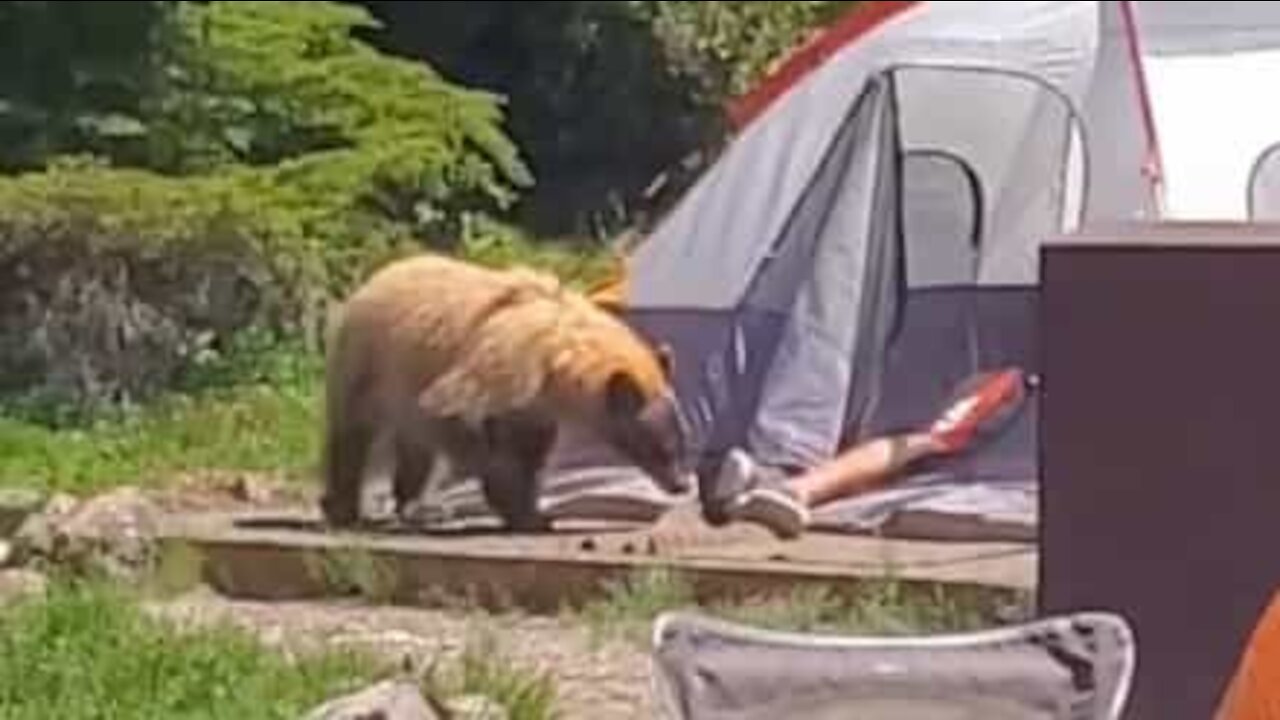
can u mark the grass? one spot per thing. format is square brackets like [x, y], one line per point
[523, 694]
[84, 652]
[577, 262]
[883, 607]
[87, 651]
[256, 412]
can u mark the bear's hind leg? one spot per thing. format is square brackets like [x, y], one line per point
[347, 447]
[414, 461]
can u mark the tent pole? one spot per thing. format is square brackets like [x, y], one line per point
[1152, 166]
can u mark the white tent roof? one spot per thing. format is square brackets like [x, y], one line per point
[1209, 68]
[1200, 28]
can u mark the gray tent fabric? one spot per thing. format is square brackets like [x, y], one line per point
[786, 335]
[935, 343]
[942, 214]
[939, 343]
[586, 479]
[1074, 667]
[940, 506]
[829, 351]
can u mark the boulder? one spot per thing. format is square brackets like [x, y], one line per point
[114, 533]
[390, 700]
[16, 505]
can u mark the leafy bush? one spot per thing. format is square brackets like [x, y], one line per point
[288, 88]
[74, 77]
[197, 87]
[112, 282]
[726, 46]
[278, 162]
[116, 285]
[593, 103]
[577, 263]
[289, 85]
[604, 95]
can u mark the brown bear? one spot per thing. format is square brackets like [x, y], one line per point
[444, 357]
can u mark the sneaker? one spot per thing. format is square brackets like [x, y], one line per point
[720, 484]
[765, 499]
[985, 404]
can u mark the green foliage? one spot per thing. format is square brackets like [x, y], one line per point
[273, 158]
[255, 409]
[523, 694]
[254, 429]
[358, 137]
[74, 76]
[630, 606]
[82, 206]
[281, 160]
[114, 282]
[592, 103]
[289, 85]
[885, 607]
[725, 47]
[85, 652]
[484, 670]
[604, 95]
[579, 264]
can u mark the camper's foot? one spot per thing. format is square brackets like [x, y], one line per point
[984, 405]
[766, 499]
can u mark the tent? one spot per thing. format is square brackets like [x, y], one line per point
[870, 236]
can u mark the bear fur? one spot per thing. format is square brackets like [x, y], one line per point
[445, 359]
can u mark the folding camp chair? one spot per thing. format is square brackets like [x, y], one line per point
[1076, 667]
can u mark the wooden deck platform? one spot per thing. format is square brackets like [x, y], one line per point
[281, 557]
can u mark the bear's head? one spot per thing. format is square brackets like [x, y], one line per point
[648, 429]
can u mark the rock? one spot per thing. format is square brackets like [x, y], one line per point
[19, 584]
[390, 700]
[7, 553]
[114, 533]
[15, 507]
[38, 534]
[250, 490]
[477, 707]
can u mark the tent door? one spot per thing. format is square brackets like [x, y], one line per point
[832, 346]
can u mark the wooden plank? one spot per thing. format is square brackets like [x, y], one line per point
[250, 556]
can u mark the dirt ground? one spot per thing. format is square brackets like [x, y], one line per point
[594, 678]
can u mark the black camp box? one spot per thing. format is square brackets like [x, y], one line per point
[1160, 445]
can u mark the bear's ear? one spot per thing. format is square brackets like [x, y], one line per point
[667, 359]
[623, 396]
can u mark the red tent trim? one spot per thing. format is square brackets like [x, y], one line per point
[849, 28]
